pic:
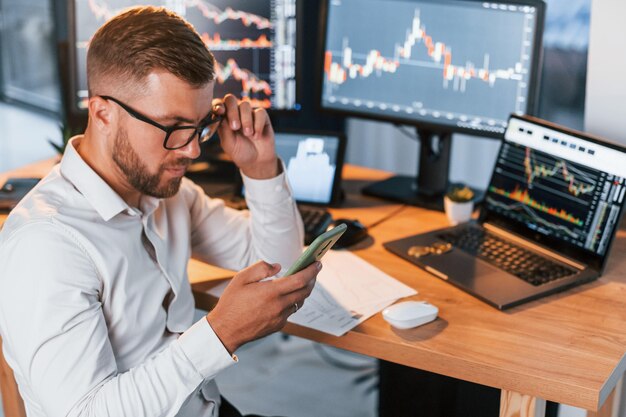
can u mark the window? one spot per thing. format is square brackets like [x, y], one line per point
[27, 54]
[564, 75]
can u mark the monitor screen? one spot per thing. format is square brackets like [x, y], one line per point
[254, 43]
[313, 164]
[560, 185]
[461, 65]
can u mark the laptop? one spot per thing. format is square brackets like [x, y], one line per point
[549, 216]
[314, 161]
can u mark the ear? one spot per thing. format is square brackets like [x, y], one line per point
[103, 114]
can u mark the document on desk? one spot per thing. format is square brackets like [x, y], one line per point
[348, 291]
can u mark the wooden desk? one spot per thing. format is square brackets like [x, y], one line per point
[568, 348]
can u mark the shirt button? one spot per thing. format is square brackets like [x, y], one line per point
[278, 188]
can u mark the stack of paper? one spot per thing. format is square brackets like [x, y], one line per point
[348, 291]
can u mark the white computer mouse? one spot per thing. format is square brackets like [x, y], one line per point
[409, 314]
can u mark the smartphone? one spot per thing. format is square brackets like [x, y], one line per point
[317, 249]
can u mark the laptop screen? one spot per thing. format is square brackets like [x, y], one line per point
[558, 187]
[314, 163]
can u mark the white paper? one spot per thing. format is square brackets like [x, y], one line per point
[348, 291]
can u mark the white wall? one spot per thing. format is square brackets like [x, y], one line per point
[605, 107]
[383, 146]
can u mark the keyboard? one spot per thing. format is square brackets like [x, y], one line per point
[514, 259]
[316, 219]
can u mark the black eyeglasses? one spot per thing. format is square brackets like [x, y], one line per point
[177, 137]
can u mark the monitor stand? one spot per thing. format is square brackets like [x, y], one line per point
[428, 188]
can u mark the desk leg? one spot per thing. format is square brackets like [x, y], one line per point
[514, 404]
[607, 408]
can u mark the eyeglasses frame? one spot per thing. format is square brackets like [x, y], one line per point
[212, 117]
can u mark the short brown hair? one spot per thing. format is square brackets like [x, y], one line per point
[142, 39]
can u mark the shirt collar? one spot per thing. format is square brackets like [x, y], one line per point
[98, 193]
[148, 204]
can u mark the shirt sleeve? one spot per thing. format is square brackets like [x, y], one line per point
[55, 336]
[271, 230]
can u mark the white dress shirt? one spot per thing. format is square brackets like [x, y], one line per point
[96, 311]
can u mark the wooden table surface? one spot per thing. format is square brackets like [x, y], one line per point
[568, 348]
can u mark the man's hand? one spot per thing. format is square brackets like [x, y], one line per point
[247, 136]
[251, 308]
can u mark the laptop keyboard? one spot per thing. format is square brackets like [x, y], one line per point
[529, 266]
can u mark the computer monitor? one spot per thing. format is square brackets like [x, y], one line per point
[443, 66]
[254, 43]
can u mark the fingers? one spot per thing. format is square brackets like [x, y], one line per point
[257, 272]
[228, 107]
[299, 280]
[218, 106]
[261, 121]
[240, 116]
[247, 122]
[298, 297]
[232, 112]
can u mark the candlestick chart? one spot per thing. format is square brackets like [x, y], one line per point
[241, 34]
[459, 64]
[551, 195]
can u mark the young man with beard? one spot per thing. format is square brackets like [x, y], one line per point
[96, 312]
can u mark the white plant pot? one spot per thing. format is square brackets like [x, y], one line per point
[458, 212]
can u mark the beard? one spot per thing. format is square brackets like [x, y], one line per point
[137, 173]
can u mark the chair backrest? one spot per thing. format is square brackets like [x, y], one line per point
[11, 400]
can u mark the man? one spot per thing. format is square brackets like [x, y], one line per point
[95, 307]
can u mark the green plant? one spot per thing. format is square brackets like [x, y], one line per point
[66, 134]
[460, 194]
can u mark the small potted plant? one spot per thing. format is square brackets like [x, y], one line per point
[459, 204]
[66, 135]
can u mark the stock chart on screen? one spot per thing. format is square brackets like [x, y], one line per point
[459, 63]
[541, 187]
[254, 43]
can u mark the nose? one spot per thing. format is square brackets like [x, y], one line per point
[192, 149]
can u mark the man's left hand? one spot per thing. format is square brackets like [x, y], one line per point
[247, 136]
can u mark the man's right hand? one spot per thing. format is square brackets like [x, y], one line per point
[251, 308]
